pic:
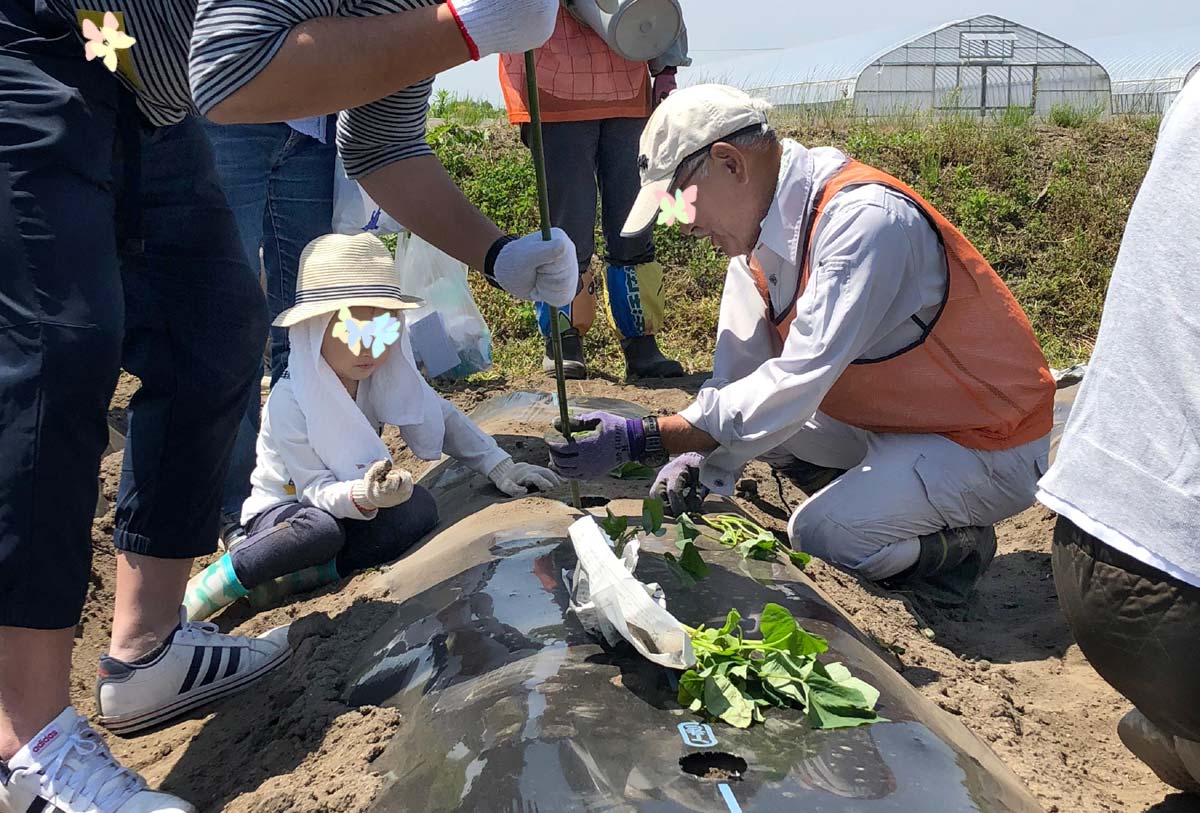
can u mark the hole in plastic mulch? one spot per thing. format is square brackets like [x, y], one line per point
[715, 765]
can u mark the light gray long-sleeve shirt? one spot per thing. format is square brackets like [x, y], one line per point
[875, 263]
[1128, 468]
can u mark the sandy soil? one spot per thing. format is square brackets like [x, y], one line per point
[1006, 665]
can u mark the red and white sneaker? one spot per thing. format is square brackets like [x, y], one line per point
[195, 666]
[67, 768]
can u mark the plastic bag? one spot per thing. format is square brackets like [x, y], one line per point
[353, 209]
[449, 336]
[608, 599]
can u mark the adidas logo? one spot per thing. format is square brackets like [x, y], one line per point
[44, 741]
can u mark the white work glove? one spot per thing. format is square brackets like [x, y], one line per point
[504, 26]
[382, 486]
[538, 270]
[515, 479]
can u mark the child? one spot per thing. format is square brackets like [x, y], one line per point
[324, 493]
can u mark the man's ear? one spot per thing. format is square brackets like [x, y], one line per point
[729, 158]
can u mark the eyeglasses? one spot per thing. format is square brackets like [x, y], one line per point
[681, 183]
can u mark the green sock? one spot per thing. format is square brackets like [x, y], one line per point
[212, 590]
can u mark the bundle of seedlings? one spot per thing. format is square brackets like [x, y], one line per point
[735, 680]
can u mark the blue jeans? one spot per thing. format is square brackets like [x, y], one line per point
[279, 184]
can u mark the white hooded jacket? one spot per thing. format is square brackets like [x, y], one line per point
[316, 442]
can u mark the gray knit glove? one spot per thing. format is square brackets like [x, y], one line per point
[515, 479]
[504, 26]
[382, 486]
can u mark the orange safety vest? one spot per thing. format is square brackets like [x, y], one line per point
[579, 78]
[977, 376]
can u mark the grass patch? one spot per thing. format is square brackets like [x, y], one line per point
[1045, 201]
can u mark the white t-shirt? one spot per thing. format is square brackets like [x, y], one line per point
[1128, 468]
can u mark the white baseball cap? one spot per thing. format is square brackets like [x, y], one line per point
[688, 121]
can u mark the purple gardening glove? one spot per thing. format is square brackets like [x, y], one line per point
[600, 441]
[678, 485]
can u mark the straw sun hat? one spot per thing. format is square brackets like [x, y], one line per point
[341, 270]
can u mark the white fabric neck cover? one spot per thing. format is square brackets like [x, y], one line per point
[343, 430]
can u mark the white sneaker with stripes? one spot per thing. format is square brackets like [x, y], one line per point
[67, 768]
[197, 665]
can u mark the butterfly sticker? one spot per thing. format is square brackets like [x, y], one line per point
[681, 207]
[387, 331]
[375, 335]
[104, 41]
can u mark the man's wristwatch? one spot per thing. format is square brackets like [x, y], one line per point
[655, 455]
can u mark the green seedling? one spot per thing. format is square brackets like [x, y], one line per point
[632, 471]
[618, 530]
[752, 540]
[735, 680]
[689, 568]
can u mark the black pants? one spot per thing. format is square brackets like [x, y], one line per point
[1137, 626]
[583, 159]
[292, 537]
[586, 157]
[178, 308]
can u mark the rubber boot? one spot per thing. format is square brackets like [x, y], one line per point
[212, 590]
[1189, 754]
[302, 581]
[809, 477]
[643, 359]
[574, 367]
[1157, 749]
[949, 565]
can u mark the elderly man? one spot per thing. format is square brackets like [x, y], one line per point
[865, 349]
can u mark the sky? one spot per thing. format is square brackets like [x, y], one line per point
[724, 29]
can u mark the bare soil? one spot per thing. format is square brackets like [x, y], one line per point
[1006, 665]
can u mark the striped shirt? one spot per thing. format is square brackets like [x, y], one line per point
[190, 55]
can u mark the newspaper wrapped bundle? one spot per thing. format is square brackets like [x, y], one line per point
[611, 603]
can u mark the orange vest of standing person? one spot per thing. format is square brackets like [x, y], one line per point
[977, 376]
[579, 78]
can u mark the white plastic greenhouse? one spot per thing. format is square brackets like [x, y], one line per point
[1148, 71]
[978, 65]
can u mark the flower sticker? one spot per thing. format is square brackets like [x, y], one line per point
[681, 207]
[375, 335]
[104, 41]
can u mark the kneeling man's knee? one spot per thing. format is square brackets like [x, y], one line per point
[819, 533]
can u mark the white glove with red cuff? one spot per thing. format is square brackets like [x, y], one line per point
[534, 269]
[504, 26]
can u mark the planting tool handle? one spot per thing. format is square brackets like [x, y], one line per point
[539, 170]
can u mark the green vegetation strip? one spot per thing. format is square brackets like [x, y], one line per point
[1045, 201]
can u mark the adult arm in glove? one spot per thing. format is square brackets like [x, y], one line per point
[382, 487]
[601, 441]
[678, 485]
[364, 66]
[325, 64]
